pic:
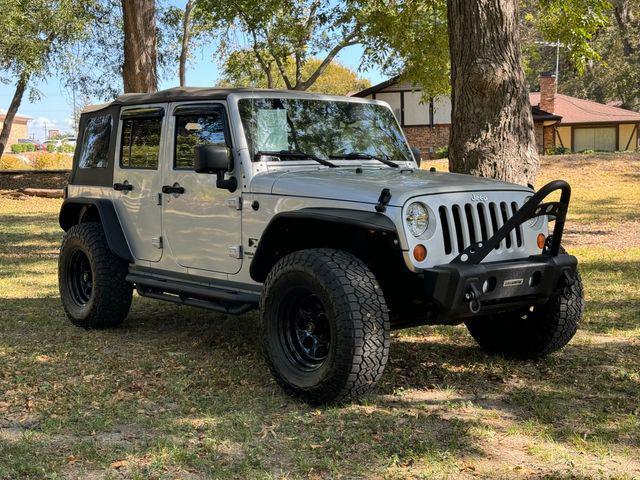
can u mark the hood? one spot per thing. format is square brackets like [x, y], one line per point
[346, 184]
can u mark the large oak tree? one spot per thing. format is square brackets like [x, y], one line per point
[471, 50]
[140, 68]
[492, 127]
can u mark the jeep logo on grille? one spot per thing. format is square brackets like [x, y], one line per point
[477, 197]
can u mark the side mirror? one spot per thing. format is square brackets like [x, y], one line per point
[216, 159]
[212, 159]
[417, 155]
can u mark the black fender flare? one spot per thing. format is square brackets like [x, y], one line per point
[372, 221]
[70, 213]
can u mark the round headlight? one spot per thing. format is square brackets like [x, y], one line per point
[417, 218]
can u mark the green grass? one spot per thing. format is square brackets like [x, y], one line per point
[184, 393]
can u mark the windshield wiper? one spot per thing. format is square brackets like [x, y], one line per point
[296, 154]
[365, 156]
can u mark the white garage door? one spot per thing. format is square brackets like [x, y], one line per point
[601, 138]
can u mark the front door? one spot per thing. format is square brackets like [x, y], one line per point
[202, 224]
[138, 179]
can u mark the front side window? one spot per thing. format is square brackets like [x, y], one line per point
[196, 129]
[95, 145]
[326, 129]
[140, 143]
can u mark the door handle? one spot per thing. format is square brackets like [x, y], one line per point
[123, 187]
[175, 188]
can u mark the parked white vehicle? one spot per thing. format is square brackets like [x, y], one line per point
[313, 209]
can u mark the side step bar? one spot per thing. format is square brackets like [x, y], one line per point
[223, 300]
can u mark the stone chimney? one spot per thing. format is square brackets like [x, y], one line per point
[547, 91]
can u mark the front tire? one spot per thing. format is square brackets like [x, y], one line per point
[92, 280]
[325, 326]
[534, 333]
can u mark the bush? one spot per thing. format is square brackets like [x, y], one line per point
[442, 152]
[11, 162]
[557, 151]
[51, 161]
[66, 148]
[23, 147]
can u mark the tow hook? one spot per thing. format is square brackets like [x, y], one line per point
[473, 297]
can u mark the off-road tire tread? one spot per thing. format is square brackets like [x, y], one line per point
[362, 316]
[112, 294]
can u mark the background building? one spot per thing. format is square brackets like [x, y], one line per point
[560, 120]
[19, 129]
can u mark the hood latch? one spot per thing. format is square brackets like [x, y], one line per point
[383, 201]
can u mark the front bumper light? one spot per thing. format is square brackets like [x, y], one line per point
[417, 218]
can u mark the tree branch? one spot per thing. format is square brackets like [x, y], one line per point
[347, 41]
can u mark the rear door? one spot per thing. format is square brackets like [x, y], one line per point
[201, 225]
[138, 179]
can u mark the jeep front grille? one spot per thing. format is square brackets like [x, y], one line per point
[464, 224]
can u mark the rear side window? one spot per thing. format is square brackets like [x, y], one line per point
[95, 145]
[140, 143]
[196, 129]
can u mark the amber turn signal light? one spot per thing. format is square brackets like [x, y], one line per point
[420, 252]
[541, 239]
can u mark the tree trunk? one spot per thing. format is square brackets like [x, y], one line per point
[492, 128]
[21, 86]
[139, 71]
[186, 38]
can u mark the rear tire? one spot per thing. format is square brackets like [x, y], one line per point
[534, 333]
[92, 280]
[325, 326]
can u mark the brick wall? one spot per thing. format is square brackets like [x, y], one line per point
[547, 92]
[426, 138]
[18, 130]
[549, 139]
[539, 131]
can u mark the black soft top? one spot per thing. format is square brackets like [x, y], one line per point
[183, 94]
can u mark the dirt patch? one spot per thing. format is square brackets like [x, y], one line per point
[15, 181]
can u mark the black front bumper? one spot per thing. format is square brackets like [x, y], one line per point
[462, 290]
[466, 287]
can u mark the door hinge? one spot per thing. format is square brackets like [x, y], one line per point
[156, 242]
[235, 251]
[235, 202]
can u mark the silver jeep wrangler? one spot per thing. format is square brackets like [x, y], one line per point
[313, 209]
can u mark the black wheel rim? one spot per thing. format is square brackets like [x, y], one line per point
[79, 278]
[305, 329]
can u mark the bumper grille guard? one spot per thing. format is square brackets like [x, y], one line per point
[534, 207]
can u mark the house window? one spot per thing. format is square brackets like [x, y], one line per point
[596, 138]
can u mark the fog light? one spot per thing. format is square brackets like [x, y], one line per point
[541, 239]
[420, 252]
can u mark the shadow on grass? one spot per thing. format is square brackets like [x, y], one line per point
[190, 381]
[604, 210]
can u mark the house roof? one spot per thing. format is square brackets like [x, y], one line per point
[377, 87]
[539, 115]
[568, 109]
[577, 110]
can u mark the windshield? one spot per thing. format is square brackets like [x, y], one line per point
[320, 128]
